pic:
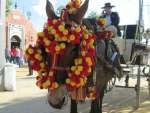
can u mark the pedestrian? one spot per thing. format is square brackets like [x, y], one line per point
[30, 68]
[13, 55]
[112, 18]
[7, 55]
[21, 57]
[18, 56]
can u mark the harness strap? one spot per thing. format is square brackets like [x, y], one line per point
[61, 68]
[54, 63]
[106, 49]
[114, 56]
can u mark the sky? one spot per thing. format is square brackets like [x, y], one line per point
[128, 10]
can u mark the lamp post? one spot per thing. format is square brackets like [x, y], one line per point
[140, 24]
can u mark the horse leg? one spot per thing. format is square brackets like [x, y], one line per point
[73, 106]
[95, 106]
[101, 98]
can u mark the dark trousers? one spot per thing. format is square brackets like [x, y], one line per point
[30, 68]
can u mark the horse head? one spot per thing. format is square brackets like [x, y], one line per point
[66, 59]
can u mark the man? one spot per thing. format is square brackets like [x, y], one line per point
[30, 68]
[18, 56]
[112, 17]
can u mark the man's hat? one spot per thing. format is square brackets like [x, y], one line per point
[108, 5]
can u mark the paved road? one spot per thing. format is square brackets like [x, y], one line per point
[29, 99]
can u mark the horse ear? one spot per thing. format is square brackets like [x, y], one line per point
[50, 10]
[81, 11]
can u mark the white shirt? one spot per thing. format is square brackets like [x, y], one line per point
[108, 19]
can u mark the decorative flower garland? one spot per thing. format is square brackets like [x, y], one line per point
[102, 33]
[54, 33]
[73, 5]
[50, 38]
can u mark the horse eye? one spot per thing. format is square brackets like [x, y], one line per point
[74, 49]
[67, 26]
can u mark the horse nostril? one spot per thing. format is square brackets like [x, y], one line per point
[67, 25]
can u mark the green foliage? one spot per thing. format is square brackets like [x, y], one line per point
[58, 10]
[92, 14]
[8, 6]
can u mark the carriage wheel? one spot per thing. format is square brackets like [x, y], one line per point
[110, 84]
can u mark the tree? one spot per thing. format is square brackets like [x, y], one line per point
[58, 10]
[8, 6]
[92, 14]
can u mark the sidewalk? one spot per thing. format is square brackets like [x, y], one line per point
[30, 99]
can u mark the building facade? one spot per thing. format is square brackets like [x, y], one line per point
[19, 31]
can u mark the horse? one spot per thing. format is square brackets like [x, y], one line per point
[107, 62]
[106, 68]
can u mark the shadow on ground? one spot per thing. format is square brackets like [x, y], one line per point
[27, 105]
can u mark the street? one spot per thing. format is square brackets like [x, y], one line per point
[30, 99]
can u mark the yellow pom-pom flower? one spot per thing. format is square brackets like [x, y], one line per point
[62, 45]
[65, 32]
[78, 29]
[53, 31]
[85, 36]
[27, 56]
[47, 50]
[82, 82]
[64, 38]
[103, 21]
[84, 42]
[72, 37]
[30, 51]
[56, 85]
[68, 81]
[80, 68]
[38, 57]
[41, 34]
[73, 68]
[83, 53]
[46, 84]
[46, 41]
[76, 61]
[78, 3]
[61, 28]
[57, 36]
[79, 61]
[49, 28]
[42, 65]
[72, 83]
[54, 21]
[85, 79]
[89, 61]
[77, 72]
[39, 51]
[57, 48]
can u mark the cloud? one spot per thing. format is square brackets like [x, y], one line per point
[39, 8]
